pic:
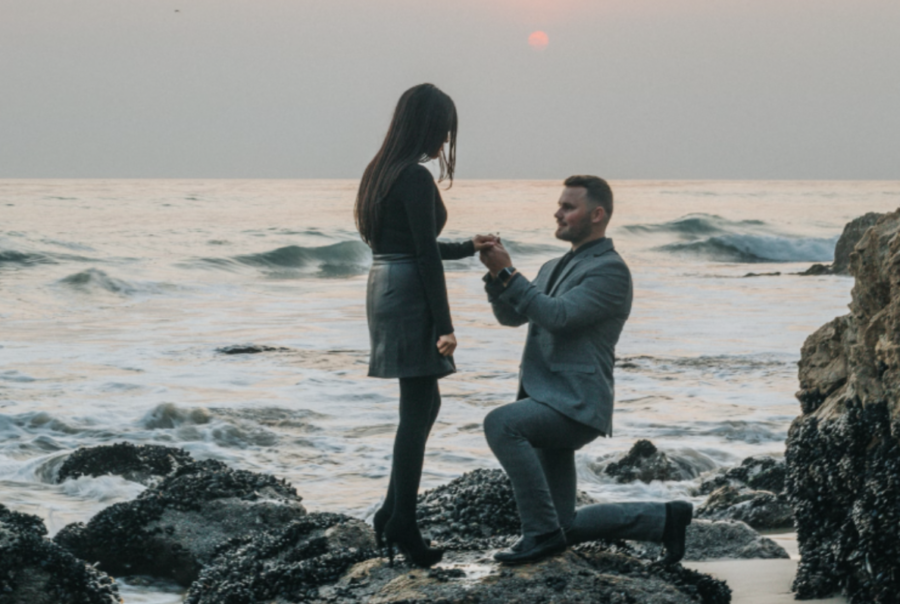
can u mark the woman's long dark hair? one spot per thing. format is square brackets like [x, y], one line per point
[425, 118]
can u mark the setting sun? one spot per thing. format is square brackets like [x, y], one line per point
[538, 40]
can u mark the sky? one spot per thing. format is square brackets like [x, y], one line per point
[626, 89]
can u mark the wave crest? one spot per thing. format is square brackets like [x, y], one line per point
[94, 280]
[757, 248]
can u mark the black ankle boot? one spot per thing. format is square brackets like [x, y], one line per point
[409, 541]
[678, 517]
[379, 521]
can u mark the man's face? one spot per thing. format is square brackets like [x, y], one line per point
[573, 218]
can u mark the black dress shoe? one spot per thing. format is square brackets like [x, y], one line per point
[532, 549]
[678, 517]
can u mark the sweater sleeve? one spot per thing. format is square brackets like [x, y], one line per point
[455, 251]
[417, 195]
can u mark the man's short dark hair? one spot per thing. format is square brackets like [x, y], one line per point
[598, 191]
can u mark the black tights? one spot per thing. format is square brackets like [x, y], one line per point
[420, 401]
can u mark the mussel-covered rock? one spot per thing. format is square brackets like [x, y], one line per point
[280, 574]
[843, 452]
[752, 492]
[34, 570]
[289, 565]
[146, 464]
[173, 530]
[759, 509]
[479, 504]
[715, 540]
[646, 463]
[760, 473]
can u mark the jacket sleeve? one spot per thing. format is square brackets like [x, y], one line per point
[455, 251]
[417, 194]
[505, 313]
[602, 292]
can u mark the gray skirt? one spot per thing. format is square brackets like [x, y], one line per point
[402, 332]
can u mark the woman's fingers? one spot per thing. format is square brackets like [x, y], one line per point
[446, 344]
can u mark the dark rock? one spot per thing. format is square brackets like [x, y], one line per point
[759, 509]
[34, 570]
[478, 504]
[775, 274]
[843, 452]
[250, 349]
[646, 463]
[573, 577]
[762, 473]
[146, 464]
[714, 540]
[172, 530]
[852, 234]
[817, 269]
[290, 564]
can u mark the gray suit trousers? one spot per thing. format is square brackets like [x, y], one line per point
[536, 446]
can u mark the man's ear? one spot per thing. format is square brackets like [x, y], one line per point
[598, 215]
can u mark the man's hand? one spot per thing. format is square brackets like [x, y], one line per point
[483, 242]
[495, 258]
[446, 344]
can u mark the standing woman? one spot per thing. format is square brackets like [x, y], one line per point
[399, 214]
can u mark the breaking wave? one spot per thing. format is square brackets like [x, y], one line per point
[93, 280]
[756, 248]
[696, 224]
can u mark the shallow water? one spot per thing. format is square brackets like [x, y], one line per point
[116, 295]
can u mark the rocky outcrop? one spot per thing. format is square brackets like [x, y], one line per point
[716, 540]
[146, 464]
[34, 570]
[759, 509]
[286, 572]
[755, 473]
[843, 452]
[250, 349]
[290, 564]
[174, 529]
[853, 232]
[752, 492]
[646, 463]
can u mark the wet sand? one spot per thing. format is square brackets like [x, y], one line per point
[761, 581]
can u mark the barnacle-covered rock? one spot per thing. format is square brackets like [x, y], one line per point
[718, 539]
[146, 464]
[843, 452]
[575, 577]
[646, 463]
[761, 473]
[759, 509]
[34, 570]
[477, 505]
[172, 530]
[289, 565]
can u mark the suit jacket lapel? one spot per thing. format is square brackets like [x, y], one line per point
[601, 248]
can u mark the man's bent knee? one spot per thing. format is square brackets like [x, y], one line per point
[495, 424]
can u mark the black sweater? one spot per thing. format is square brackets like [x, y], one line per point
[414, 215]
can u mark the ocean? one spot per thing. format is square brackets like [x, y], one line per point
[116, 297]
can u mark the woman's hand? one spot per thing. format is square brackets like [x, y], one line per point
[484, 241]
[446, 344]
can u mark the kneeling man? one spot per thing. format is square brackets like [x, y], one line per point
[575, 310]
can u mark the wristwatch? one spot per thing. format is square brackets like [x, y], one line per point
[505, 274]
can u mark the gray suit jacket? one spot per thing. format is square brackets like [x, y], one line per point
[572, 332]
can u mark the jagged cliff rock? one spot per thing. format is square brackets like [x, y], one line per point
[853, 232]
[843, 452]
